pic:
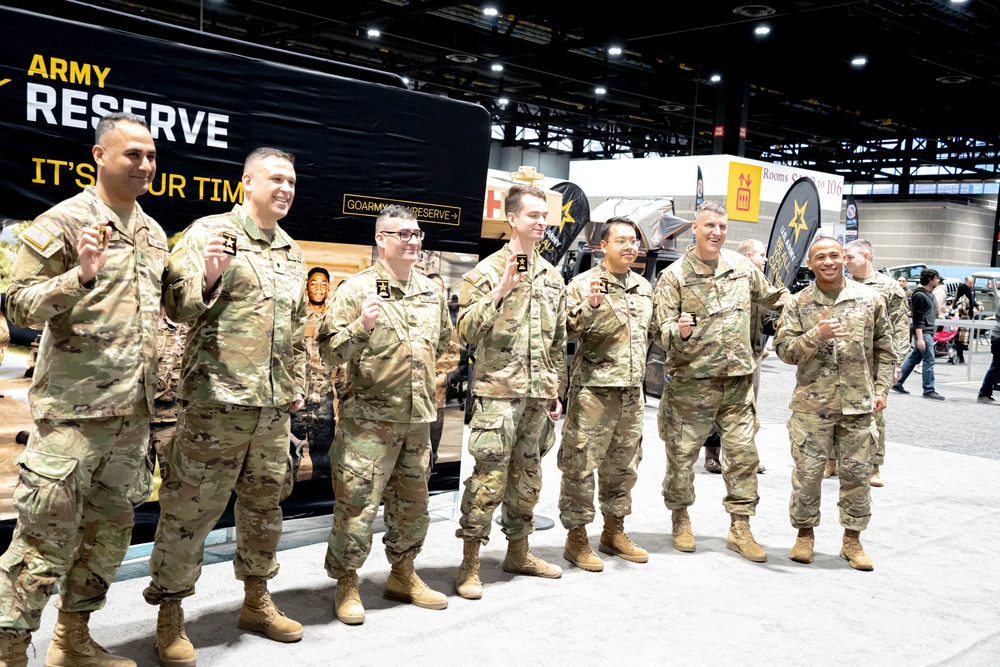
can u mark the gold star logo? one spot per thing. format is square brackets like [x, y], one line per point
[566, 217]
[798, 222]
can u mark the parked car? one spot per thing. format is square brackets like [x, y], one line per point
[986, 285]
[910, 271]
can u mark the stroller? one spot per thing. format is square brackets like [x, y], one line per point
[943, 342]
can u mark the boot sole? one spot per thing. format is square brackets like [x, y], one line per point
[859, 568]
[533, 573]
[477, 595]
[803, 560]
[611, 551]
[350, 620]
[877, 485]
[403, 597]
[589, 567]
[732, 546]
[285, 637]
[684, 548]
[173, 663]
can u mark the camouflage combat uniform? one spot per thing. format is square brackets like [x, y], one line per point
[898, 309]
[91, 399]
[170, 341]
[710, 372]
[315, 422]
[243, 366]
[520, 367]
[446, 364]
[603, 429]
[383, 438]
[836, 384]
[4, 336]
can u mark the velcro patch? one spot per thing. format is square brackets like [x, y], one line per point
[37, 236]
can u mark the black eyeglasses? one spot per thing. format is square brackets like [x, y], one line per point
[406, 235]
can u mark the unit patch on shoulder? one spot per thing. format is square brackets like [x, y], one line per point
[38, 236]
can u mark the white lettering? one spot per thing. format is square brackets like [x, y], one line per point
[191, 131]
[161, 118]
[214, 132]
[41, 98]
[102, 106]
[68, 109]
[133, 106]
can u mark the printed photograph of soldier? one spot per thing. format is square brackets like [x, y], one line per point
[243, 372]
[703, 322]
[517, 320]
[609, 310]
[389, 324]
[85, 465]
[838, 334]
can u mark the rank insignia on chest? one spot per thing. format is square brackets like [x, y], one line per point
[230, 243]
[382, 288]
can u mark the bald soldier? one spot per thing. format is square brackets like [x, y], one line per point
[237, 279]
[90, 270]
[858, 260]
[702, 319]
[837, 332]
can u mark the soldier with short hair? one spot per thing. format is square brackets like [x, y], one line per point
[858, 256]
[702, 321]
[388, 324]
[90, 270]
[514, 309]
[237, 279]
[838, 334]
[609, 309]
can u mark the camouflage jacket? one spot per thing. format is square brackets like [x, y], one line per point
[841, 375]
[719, 345]
[447, 363]
[320, 391]
[521, 346]
[614, 336]
[170, 341]
[898, 308]
[390, 372]
[98, 352]
[245, 342]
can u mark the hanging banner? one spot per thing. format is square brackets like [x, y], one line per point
[851, 222]
[795, 225]
[575, 216]
[699, 190]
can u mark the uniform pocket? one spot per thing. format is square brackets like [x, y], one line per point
[353, 478]
[485, 440]
[46, 496]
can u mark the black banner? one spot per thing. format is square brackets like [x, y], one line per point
[851, 221]
[699, 191]
[357, 144]
[575, 215]
[795, 225]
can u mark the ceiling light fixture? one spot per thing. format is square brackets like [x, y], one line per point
[762, 30]
[859, 61]
[463, 58]
[954, 78]
[502, 101]
[715, 78]
[373, 33]
[600, 90]
[496, 67]
[490, 11]
[614, 50]
[754, 11]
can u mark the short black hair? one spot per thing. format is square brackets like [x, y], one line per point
[927, 275]
[611, 222]
[318, 269]
[111, 120]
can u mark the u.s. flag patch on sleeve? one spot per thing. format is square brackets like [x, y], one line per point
[37, 236]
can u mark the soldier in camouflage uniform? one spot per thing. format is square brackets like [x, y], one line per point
[858, 260]
[243, 370]
[316, 423]
[702, 319]
[837, 333]
[389, 324]
[170, 341]
[90, 270]
[518, 322]
[609, 309]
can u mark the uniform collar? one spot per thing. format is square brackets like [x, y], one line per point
[409, 288]
[535, 258]
[280, 240]
[847, 293]
[701, 267]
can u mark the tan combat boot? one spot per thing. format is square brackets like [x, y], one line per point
[348, 606]
[578, 551]
[830, 469]
[681, 530]
[854, 553]
[259, 613]
[404, 585]
[876, 478]
[614, 541]
[740, 540]
[802, 550]
[14, 648]
[172, 646]
[72, 645]
[467, 584]
[520, 560]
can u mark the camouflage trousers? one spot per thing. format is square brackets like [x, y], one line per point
[220, 448]
[692, 407]
[316, 423]
[812, 438]
[603, 432]
[508, 440]
[74, 500]
[879, 457]
[378, 461]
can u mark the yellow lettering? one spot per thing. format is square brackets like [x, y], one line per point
[86, 173]
[177, 184]
[101, 74]
[57, 69]
[230, 195]
[39, 161]
[37, 66]
[57, 164]
[163, 186]
[201, 185]
[215, 190]
[78, 73]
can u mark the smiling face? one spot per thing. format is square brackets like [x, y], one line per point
[318, 288]
[826, 260]
[709, 229]
[528, 224]
[856, 262]
[392, 250]
[269, 188]
[126, 164]
[620, 248]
